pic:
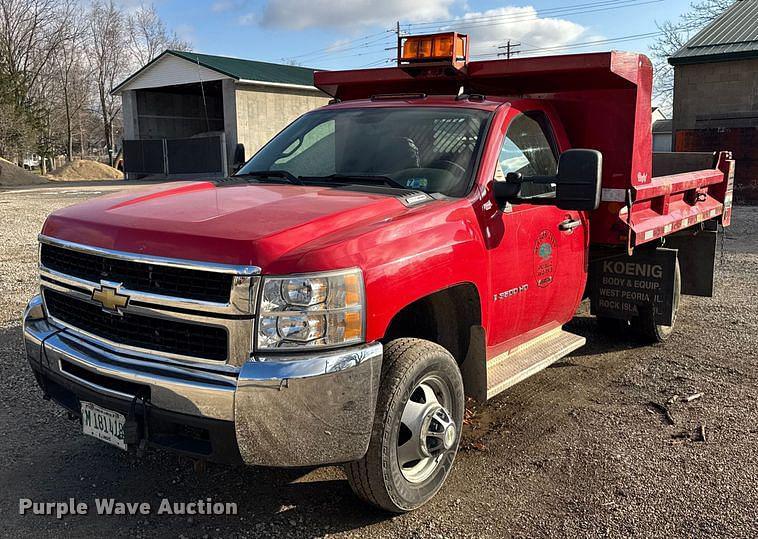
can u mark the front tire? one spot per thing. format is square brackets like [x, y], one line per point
[417, 427]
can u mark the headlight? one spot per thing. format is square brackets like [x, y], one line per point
[318, 310]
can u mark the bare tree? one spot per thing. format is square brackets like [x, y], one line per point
[16, 134]
[73, 75]
[148, 35]
[107, 43]
[31, 33]
[674, 35]
[58, 66]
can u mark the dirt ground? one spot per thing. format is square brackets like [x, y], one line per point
[11, 174]
[83, 169]
[572, 452]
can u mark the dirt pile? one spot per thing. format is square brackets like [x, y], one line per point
[11, 174]
[83, 169]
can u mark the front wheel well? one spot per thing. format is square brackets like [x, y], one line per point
[444, 317]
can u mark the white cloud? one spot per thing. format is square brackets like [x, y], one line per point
[519, 24]
[300, 14]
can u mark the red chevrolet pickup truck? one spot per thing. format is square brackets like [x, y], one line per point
[422, 239]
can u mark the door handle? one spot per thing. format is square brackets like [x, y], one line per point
[569, 224]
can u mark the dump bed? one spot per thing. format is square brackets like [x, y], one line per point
[604, 103]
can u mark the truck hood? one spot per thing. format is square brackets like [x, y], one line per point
[251, 224]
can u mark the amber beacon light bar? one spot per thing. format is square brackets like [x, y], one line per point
[446, 49]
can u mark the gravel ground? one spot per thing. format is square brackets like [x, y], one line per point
[573, 451]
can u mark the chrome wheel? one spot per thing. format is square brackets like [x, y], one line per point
[416, 430]
[427, 430]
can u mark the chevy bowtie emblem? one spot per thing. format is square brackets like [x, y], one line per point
[107, 296]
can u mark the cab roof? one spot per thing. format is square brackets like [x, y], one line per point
[404, 100]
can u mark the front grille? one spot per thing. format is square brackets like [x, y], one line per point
[168, 336]
[138, 276]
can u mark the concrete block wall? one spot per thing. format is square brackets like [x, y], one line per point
[716, 108]
[716, 94]
[263, 111]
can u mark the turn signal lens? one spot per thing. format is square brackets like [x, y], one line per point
[353, 326]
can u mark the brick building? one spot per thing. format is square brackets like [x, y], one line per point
[716, 93]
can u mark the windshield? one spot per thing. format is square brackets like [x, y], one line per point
[423, 148]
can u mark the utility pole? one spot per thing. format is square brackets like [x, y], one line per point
[509, 50]
[396, 47]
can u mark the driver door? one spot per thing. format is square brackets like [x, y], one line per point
[544, 254]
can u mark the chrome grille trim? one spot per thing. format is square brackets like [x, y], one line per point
[143, 357]
[236, 316]
[241, 303]
[149, 259]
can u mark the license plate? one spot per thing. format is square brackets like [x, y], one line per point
[105, 425]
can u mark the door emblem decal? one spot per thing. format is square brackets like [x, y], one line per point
[545, 259]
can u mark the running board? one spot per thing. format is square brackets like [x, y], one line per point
[530, 358]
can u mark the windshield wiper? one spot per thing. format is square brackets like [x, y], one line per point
[262, 174]
[356, 178]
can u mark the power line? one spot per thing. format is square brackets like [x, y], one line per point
[364, 41]
[633, 37]
[538, 16]
[373, 50]
[384, 40]
[583, 44]
[533, 50]
[491, 20]
[542, 11]
[333, 48]
[377, 63]
[545, 11]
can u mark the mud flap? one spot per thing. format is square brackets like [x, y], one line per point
[697, 260]
[621, 285]
[474, 367]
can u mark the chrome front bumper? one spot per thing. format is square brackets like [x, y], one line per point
[301, 411]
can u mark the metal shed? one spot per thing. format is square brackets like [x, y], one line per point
[185, 113]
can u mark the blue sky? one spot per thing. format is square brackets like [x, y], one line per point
[329, 33]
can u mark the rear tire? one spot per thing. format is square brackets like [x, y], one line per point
[645, 325]
[419, 413]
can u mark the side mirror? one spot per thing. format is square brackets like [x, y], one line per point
[577, 184]
[239, 157]
[580, 173]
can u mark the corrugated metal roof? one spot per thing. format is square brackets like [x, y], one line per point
[251, 69]
[237, 68]
[731, 36]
